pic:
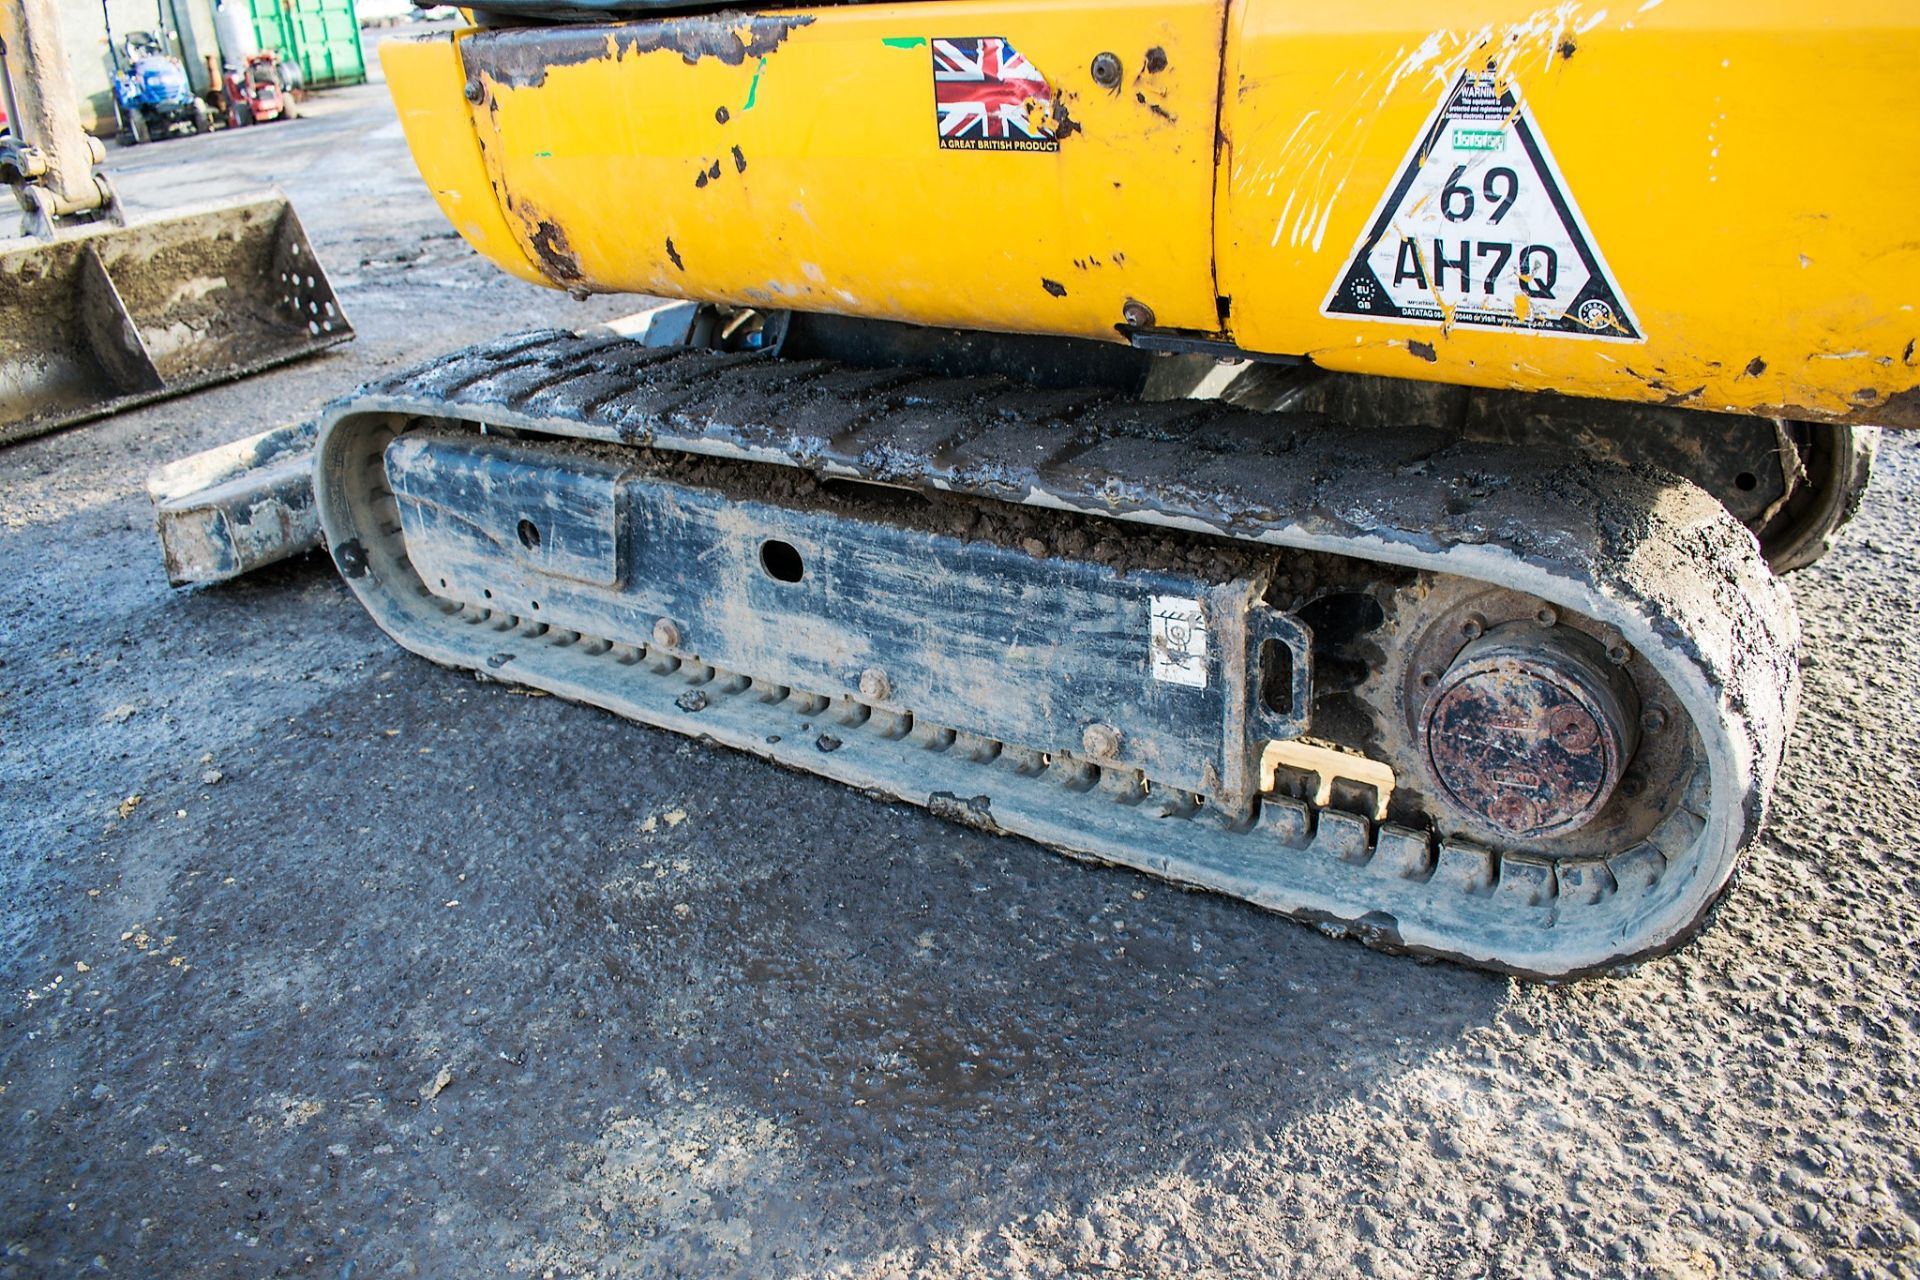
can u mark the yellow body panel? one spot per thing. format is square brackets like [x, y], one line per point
[1744, 171]
[425, 78]
[1750, 170]
[794, 162]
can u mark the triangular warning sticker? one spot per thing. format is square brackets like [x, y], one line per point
[1481, 230]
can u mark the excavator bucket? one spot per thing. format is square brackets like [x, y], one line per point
[104, 317]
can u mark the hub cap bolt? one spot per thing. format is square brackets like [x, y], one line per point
[874, 685]
[1101, 741]
[1474, 627]
[1653, 719]
[1545, 616]
[1106, 71]
[1618, 653]
[666, 634]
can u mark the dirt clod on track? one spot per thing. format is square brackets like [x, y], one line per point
[440, 981]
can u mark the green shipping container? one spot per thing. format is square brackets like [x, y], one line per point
[321, 37]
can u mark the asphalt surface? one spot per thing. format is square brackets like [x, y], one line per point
[320, 960]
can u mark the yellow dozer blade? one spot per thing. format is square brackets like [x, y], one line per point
[104, 317]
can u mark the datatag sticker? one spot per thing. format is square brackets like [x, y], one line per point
[1177, 644]
[1480, 229]
[987, 97]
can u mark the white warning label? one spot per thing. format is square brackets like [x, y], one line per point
[1177, 640]
[1480, 229]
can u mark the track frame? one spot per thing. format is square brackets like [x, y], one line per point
[1648, 555]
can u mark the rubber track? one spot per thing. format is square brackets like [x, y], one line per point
[1638, 549]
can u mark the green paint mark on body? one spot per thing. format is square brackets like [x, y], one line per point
[543, 155]
[753, 90]
[904, 42]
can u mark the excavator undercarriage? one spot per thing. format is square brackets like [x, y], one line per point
[1515, 706]
[1334, 456]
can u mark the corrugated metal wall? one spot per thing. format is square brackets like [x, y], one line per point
[321, 36]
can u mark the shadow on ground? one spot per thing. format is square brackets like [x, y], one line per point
[435, 966]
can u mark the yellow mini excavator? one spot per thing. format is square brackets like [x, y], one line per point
[1337, 455]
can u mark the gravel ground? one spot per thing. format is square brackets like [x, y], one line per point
[323, 961]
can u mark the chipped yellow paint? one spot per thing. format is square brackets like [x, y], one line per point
[1746, 168]
[425, 79]
[837, 165]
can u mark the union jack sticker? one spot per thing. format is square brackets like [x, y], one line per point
[989, 98]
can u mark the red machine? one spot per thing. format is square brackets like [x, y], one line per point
[259, 91]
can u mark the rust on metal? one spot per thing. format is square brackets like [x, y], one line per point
[556, 255]
[520, 57]
[1528, 733]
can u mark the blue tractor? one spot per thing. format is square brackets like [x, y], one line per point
[151, 94]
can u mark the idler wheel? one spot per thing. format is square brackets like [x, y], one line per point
[1528, 732]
